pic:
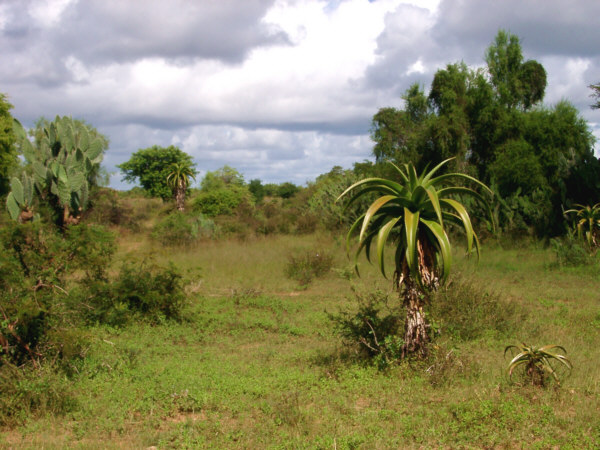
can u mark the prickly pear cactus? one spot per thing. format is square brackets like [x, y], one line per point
[19, 201]
[66, 156]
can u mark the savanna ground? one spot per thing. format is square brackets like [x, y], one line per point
[257, 362]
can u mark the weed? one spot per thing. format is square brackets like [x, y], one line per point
[570, 251]
[467, 311]
[307, 265]
[374, 328]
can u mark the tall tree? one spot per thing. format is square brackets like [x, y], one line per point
[491, 121]
[596, 94]
[8, 152]
[152, 166]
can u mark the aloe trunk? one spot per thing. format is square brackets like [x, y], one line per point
[416, 336]
[180, 198]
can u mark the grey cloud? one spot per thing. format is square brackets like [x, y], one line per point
[99, 32]
[546, 27]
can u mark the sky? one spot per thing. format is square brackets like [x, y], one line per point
[281, 90]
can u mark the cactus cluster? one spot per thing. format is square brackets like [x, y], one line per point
[65, 156]
[20, 199]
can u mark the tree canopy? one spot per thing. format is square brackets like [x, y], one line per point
[492, 121]
[151, 168]
[8, 152]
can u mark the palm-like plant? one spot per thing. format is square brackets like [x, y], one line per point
[418, 210]
[537, 361]
[179, 180]
[588, 223]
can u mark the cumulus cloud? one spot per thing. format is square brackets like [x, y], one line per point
[280, 89]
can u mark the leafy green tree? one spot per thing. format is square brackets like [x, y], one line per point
[416, 212]
[540, 159]
[179, 180]
[152, 166]
[8, 152]
[221, 192]
[257, 189]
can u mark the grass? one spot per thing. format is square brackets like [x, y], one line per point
[258, 365]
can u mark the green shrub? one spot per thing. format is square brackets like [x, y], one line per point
[570, 251]
[26, 393]
[142, 290]
[374, 329]
[108, 208]
[466, 311]
[220, 201]
[308, 264]
[38, 266]
[179, 229]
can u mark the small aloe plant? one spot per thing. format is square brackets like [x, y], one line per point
[538, 361]
[588, 223]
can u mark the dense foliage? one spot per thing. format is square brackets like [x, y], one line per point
[62, 165]
[8, 151]
[152, 166]
[493, 122]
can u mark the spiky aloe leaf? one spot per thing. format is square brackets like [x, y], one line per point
[17, 191]
[382, 238]
[12, 207]
[411, 227]
[443, 244]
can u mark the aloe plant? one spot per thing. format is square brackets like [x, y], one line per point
[179, 180]
[415, 211]
[537, 361]
[588, 223]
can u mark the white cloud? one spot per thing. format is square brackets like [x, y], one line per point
[280, 89]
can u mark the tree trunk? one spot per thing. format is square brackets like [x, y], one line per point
[416, 337]
[180, 198]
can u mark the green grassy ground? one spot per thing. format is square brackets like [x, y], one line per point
[258, 365]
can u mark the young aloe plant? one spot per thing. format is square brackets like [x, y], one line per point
[537, 361]
[588, 223]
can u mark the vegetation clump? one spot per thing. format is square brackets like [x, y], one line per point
[538, 362]
[306, 265]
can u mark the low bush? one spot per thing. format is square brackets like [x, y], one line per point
[179, 229]
[141, 290]
[220, 201]
[108, 208]
[465, 311]
[570, 251]
[27, 393]
[307, 265]
[374, 329]
[38, 267]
